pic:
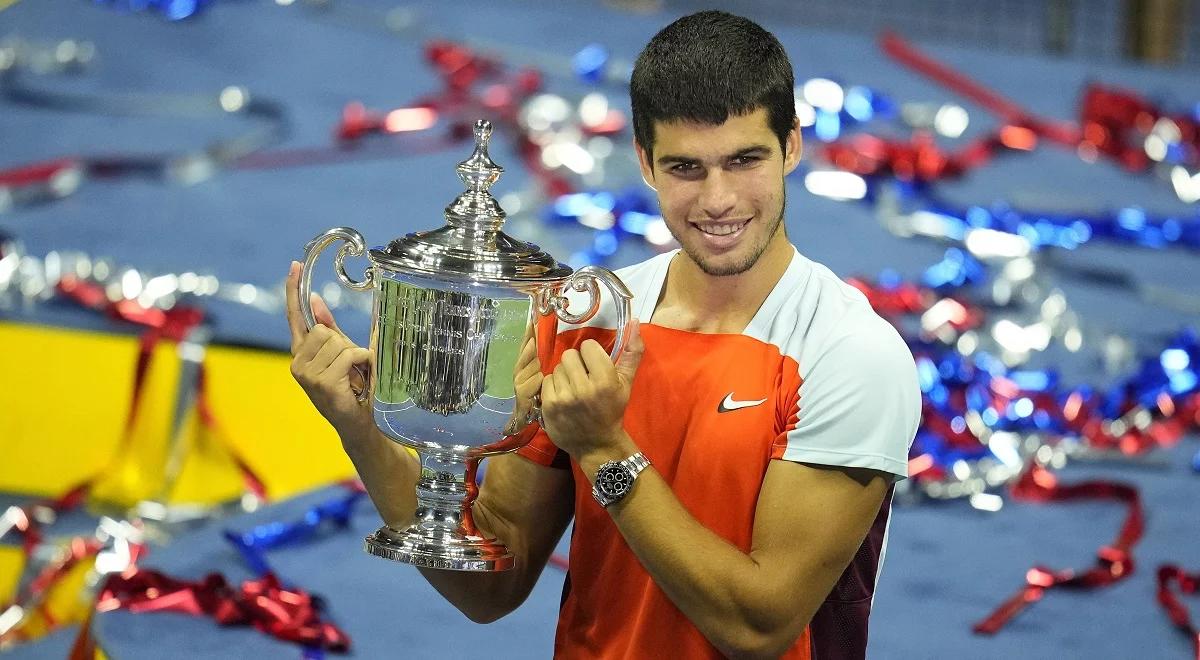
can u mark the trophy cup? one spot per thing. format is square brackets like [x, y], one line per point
[451, 309]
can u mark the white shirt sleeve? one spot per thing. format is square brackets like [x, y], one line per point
[859, 402]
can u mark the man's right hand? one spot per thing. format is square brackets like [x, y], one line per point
[324, 363]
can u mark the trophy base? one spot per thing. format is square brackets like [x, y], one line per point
[452, 552]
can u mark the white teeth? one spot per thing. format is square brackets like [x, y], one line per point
[722, 230]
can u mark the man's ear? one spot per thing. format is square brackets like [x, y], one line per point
[644, 164]
[795, 148]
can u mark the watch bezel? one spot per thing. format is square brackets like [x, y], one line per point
[631, 467]
[611, 467]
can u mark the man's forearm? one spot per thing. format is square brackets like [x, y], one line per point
[719, 588]
[722, 590]
[389, 472]
[485, 597]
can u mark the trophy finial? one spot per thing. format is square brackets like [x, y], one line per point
[478, 171]
[475, 208]
[483, 133]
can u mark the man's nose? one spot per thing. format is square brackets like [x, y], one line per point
[718, 195]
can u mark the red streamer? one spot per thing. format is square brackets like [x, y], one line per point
[77, 550]
[1112, 122]
[1114, 562]
[172, 325]
[288, 614]
[1116, 121]
[1012, 113]
[253, 483]
[1189, 583]
[907, 298]
[40, 173]
[919, 159]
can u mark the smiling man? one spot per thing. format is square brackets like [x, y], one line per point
[730, 477]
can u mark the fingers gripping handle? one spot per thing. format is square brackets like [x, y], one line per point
[588, 279]
[353, 245]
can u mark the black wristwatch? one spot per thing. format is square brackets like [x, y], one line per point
[614, 479]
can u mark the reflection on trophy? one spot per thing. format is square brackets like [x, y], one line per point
[452, 308]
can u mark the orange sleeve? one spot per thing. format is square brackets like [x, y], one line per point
[543, 451]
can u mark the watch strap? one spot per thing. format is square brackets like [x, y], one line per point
[636, 463]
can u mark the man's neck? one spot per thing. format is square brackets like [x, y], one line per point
[696, 301]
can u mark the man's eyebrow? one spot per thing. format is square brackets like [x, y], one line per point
[670, 159]
[751, 150]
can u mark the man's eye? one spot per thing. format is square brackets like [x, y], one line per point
[745, 160]
[683, 168]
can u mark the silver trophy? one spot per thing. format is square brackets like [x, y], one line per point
[452, 307]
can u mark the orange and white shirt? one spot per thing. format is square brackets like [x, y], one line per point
[816, 377]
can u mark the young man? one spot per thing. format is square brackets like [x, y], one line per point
[747, 439]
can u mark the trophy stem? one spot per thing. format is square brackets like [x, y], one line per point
[445, 491]
[443, 534]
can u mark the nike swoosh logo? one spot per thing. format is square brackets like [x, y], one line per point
[728, 403]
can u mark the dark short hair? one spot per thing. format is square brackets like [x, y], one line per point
[707, 66]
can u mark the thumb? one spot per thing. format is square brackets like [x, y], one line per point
[631, 354]
[322, 314]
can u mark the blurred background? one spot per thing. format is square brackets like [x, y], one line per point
[1014, 184]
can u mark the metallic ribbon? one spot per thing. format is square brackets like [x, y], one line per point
[285, 613]
[254, 544]
[983, 420]
[1010, 112]
[1177, 612]
[1114, 562]
[918, 160]
[171, 10]
[461, 70]
[32, 596]
[1118, 124]
[172, 325]
[35, 182]
[26, 520]
[58, 178]
[1116, 121]
[474, 82]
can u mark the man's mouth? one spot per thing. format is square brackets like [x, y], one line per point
[722, 228]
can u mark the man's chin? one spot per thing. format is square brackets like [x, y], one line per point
[724, 265]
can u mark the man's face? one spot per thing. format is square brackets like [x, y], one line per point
[720, 187]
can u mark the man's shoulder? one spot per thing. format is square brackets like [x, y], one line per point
[638, 276]
[822, 314]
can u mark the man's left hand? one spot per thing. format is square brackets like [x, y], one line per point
[583, 401]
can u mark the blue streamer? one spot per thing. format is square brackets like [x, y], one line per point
[1174, 371]
[614, 216]
[590, 63]
[171, 10]
[254, 544]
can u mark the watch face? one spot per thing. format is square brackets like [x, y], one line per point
[614, 480]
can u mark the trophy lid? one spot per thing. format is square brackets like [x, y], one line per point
[471, 246]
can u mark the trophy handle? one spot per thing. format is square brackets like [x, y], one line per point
[354, 246]
[588, 279]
